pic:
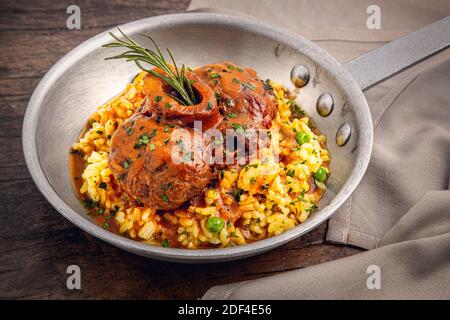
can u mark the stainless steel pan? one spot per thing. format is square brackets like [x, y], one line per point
[82, 80]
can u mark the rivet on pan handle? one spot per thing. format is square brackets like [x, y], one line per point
[383, 62]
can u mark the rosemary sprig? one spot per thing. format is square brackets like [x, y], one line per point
[138, 54]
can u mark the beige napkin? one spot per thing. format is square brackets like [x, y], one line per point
[397, 205]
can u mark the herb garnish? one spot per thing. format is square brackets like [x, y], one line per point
[145, 139]
[238, 128]
[126, 164]
[230, 102]
[237, 194]
[173, 76]
[249, 86]
[129, 130]
[267, 85]
[290, 173]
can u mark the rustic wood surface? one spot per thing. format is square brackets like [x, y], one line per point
[37, 244]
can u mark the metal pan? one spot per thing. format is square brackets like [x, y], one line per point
[82, 80]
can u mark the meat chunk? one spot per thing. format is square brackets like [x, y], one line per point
[244, 99]
[161, 102]
[143, 147]
[141, 159]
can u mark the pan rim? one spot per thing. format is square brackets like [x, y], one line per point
[306, 47]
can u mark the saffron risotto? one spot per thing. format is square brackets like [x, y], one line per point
[259, 200]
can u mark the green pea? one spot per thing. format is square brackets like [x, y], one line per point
[215, 224]
[302, 137]
[165, 243]
[320, 175]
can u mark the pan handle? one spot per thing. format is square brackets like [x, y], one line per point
[381, 63]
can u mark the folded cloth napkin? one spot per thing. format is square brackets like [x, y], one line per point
[412, 263]
[397, 206]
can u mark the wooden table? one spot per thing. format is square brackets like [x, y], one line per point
[36, 243]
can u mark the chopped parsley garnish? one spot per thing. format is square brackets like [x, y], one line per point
[230, 67]
[164, 198]
[167, 186]
[290, 173]
[102, 185]
[166, 141]
[158, 98]
[168, 105]
[296, 111]
[249, 86]
[267, 85]
[145, 139]
[237, 194]
[166, 129]
[215, 75]
[106, 225]
[126, 164]
[152, 146]
[230, 102]
[89, 203]
[236, 80]
[312, 208]
[231, 115]
[99, 132]
[239, 69]
[217, 95]
[129, 130]
[238, 128]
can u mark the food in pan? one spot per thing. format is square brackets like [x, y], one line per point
[140, 170]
